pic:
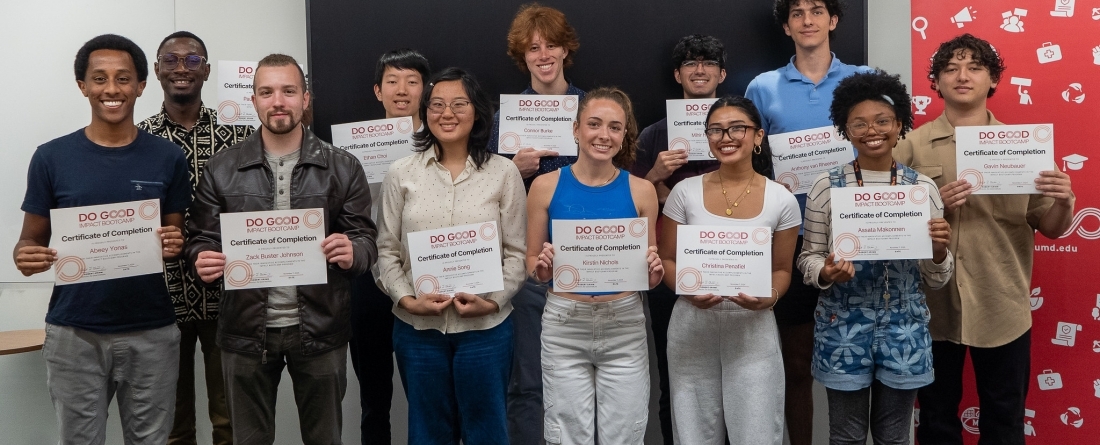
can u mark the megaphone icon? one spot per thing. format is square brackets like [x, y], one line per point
[966, 15]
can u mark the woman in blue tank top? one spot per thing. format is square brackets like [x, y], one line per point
[594, 353]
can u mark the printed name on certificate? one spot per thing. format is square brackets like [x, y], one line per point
[376, 144]
[539, 121]
[601, 255]
[881, 223]
[1004, 159]
[274, 248]
[105, 242]
[801, 156]
[464, 258]
[687, 120]
[724, 260]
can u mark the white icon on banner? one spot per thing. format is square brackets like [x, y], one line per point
[921, 103]
[1049, 52]
[966, 15]
[1096, 13]
[1096, 316]
[1066, 334]
[921, 27]
[1074, 162]
[1072, 417]
[1075, 93]
[1063, 8]
[1049, 380]
[969, 419]
[1096, 388]
[1036, 299]
[1029, 429]
[1021, 82]
[1096, 55]
[1096, 346]
[1013, 20]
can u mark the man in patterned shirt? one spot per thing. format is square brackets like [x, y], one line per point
[182, 67]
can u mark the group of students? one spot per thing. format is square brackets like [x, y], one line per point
[531, 363]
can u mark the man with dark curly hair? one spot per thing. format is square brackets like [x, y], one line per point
[792, 98]
[984, 309]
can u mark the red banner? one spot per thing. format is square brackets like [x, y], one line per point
[1052, 51]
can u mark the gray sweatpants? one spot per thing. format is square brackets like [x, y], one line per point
[726, 375]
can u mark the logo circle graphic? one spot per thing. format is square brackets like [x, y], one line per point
[60, 266]
[509, 142]
[686, 285]
[918, 195]
[637, 228]
[569, 104]
[148, 210]
[230, 270]
[561, 284]
[680, 144]
[761, 236]
[789, 180]
[1043, 133]
[233, 115]
[426, 279]
[842, 241]
[978, 179]
[488, 231]
[404, 126]
[969, 419]
[315, 216]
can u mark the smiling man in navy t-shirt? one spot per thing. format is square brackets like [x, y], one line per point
[112, 336]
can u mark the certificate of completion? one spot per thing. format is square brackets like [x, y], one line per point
[686, 120]
[235, 93]
[376, 144]
[881, 223]
[724, 260]
[539, 121]
[1004, 159]
[462, 258]
[601, 255]
[801, 156]
[105, 242]
[274, 248]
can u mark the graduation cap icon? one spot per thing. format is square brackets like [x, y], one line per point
[1073, 162]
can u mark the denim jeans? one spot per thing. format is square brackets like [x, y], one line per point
[595, 364]
[85, 369]
[252, 387]
[455, 383]
[889, 412]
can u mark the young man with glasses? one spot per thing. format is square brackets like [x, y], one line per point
[699, 63]
[984, 310]
[797, 97]
[182, 67]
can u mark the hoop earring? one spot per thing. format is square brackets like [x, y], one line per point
[576, 141]
[757, 150]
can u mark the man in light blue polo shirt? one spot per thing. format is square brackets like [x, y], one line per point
[797, 97]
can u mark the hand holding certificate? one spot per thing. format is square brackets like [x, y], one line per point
[881, 223]
[1004, 159]
[105, 242]
[539, 121]
[724, 260]
[456, 259]
[274, 248]
[601, 255]
[376, 144]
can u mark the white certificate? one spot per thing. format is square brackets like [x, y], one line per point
[235, 93]
[539, 121]
[462, 258]
[376, 144]
[1004, 159]
[686, 120]
[801, 156]
[724, 260]
[105, 242]
[881, 223]
[274, 248]
[601, 255]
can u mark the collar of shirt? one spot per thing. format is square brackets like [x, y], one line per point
[791, 73]
[428, 157]
[942, 128]
[569, 90]
[206, 116]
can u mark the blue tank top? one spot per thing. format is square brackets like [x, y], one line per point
[573, 200]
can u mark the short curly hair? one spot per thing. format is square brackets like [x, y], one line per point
[877, 85]
[551, 26]
[980, 51]
[628, 153]
[112, 42]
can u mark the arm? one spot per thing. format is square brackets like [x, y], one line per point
[783, 243]
[655, 162]
[937, 271]
[540, 253]
[391, 273]
[816, 262]
[32, 253]
[526, 159]
[203, 246]
[171, 235]
[645, 199]
[1057, 220]
[351, 245]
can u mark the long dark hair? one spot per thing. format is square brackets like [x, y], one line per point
[761, 162]
[483, 113]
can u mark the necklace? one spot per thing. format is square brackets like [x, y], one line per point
[729, 205]
[614, 175]
[893, 181]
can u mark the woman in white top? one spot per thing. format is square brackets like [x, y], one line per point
[725, 371]
[454, 352]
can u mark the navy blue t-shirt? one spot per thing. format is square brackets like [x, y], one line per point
[72, 171]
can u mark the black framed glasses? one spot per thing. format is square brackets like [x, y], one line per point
[460, 106]
[735, 132]
[881, 126]
[692, 64]
[171, 61]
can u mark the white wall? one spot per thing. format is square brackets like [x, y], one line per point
[44, 103]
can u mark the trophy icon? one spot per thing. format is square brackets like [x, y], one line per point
[921, 102]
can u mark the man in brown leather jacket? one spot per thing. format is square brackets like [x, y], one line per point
[305, 328]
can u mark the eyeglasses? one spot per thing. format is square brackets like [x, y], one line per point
[882, 125]
[734, 132]
[692, 64]
[457, 107]
[171, 61]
